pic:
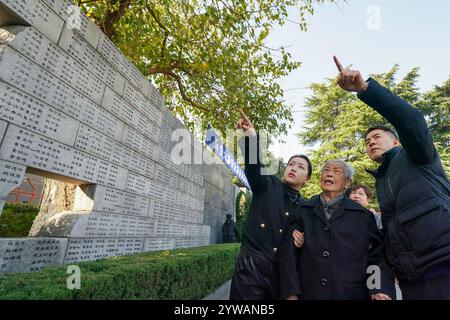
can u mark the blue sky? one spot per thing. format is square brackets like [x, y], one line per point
[412, 33]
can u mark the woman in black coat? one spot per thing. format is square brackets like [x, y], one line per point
[274, 202]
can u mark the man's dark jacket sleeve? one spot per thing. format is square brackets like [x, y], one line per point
[409, 122]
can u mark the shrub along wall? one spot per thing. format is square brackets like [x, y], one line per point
[177, 274]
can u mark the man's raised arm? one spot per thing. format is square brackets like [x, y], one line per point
[409, 122]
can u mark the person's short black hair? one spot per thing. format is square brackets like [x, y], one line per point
[229, 216]
[307, 160]
[384, 128]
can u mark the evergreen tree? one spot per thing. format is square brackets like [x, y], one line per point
[336, 122]
[435, 105]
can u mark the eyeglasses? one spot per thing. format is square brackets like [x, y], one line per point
[335, 171]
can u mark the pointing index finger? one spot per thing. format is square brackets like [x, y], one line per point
[338, 64]
[243, 115]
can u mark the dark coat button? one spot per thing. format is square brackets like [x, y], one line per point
[323, 282]
[325, 254]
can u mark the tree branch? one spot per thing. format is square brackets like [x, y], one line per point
[181, 88]
[161, 25]
[153, 14]
[111, 17]
[163, 45]
[80, 2]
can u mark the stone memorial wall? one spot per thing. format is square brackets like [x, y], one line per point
[74, 109]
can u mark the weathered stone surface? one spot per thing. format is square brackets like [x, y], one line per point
[74, 109]
[34, 12]
[189, 242]
[21, 109]
[33, 150]
[136, 141]
[87, 249]
[3, 125]
[140, 101]
[30, 254]
[91, 224]
[125, 67]
[74, 44]
[140, 184]
[156, 244]
[34, 45]
[175, 229]
[100, 198]
[76, 20]
[156, 98]
[22, 73]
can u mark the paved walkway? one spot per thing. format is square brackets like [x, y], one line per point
[222, 293]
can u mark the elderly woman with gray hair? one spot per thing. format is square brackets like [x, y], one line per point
[342, 255]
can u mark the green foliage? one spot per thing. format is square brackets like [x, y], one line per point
[176, 274]
[435, 104]
[336, 122]
[208, 57]
[243, 202]
[240, 200]
[16, 219]
[281, 167]
[436, 107]
[240, 203]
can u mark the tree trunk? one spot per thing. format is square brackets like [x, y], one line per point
[57, 196]
[111, 17]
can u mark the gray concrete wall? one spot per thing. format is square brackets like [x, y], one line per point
[73, 108]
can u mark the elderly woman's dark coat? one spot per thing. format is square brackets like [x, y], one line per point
[334, 259]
